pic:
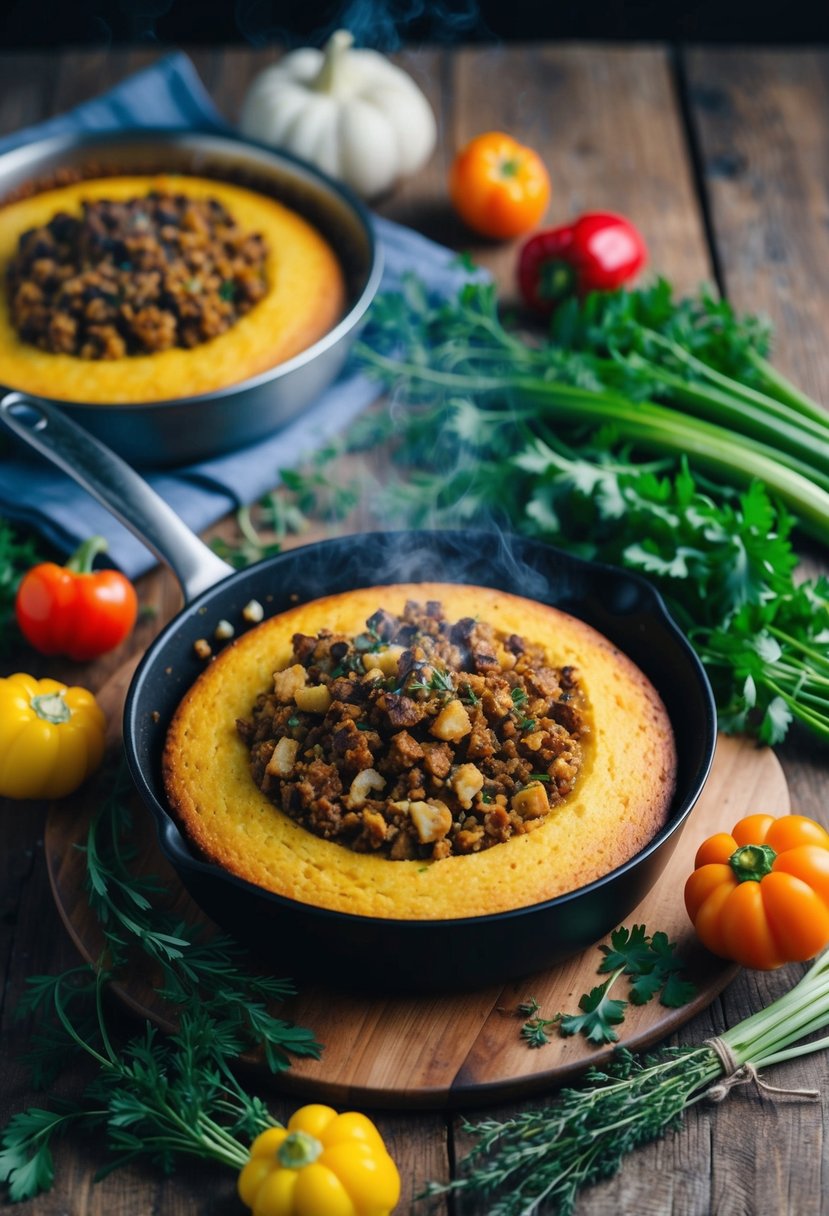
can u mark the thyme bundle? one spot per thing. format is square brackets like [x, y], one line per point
[539, 1161]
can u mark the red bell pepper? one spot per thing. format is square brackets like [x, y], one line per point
[597, 252]
[74, 610]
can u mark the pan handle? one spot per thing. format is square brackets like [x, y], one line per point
[110, 479]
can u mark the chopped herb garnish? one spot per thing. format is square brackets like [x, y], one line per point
[535, 1030]
[439, 681]
[294, 721]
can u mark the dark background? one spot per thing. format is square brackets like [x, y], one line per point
[389, 24]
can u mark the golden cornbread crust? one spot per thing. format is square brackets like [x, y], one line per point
[621, 800]
[305, 299]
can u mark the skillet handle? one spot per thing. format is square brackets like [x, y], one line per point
[110, 479]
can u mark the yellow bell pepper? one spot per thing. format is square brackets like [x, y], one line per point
[321, 1164]
[51, 737]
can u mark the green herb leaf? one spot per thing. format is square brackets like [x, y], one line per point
[26, 1163]
[18, 553]
[651, 963]
[625, 374]
[600, 1014]
[677, 992]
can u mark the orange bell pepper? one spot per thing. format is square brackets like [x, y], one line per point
[760, 894]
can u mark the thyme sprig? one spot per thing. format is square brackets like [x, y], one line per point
[539, 1161]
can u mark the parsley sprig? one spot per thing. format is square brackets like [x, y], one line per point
[151, 1098]
[651, 964]
[536, 1030]
[556, 439]
[653, 968]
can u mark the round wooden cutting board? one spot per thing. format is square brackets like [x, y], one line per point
[441, 1051]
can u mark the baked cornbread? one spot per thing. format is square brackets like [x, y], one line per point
[621, 798]
[303, 299]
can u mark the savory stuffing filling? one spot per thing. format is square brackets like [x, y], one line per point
[134, 277]
[419, 738]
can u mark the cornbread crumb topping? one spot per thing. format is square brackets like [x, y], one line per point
[419, 738]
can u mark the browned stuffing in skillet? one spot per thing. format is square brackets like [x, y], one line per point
[134, 277]
[419, 738]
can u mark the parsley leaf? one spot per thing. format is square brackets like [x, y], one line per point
[650, 962]
[26, 1163]
[652, 966]
[600, 1013]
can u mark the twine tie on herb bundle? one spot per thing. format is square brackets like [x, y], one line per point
[742, 1074]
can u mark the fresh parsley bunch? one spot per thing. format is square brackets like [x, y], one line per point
[585, 440]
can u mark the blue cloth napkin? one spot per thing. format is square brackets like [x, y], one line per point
[170, 94]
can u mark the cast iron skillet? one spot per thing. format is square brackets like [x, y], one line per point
[363, 951]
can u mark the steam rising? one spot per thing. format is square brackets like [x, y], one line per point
[383, 25]
[480, 556]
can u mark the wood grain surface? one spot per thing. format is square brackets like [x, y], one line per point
[721, 156]
[380, 1052]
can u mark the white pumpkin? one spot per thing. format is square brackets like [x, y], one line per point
[352, 113]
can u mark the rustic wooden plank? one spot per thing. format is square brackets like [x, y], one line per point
[761, 120]
[82, 73]
[763, 132]
[236, 70]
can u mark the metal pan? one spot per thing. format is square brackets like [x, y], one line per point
[186, 429]
[364, 951]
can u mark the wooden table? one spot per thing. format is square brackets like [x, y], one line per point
[722, 158]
